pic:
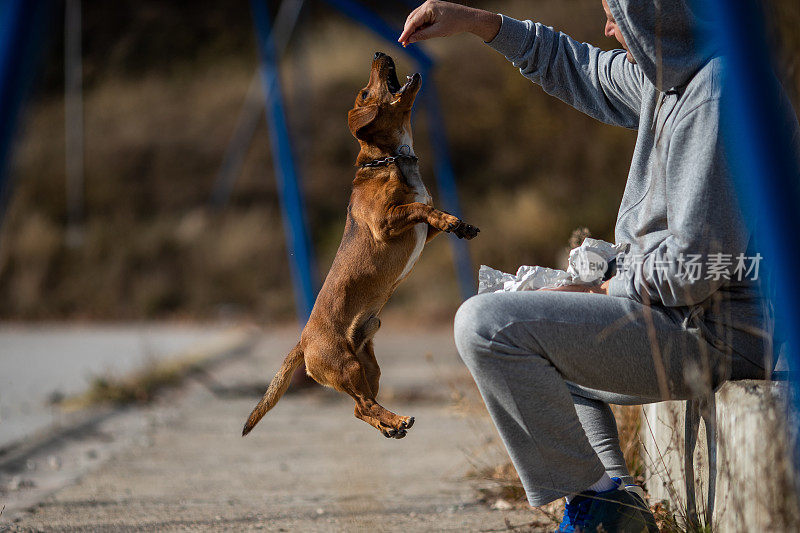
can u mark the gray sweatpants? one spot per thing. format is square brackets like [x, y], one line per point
[548, 363]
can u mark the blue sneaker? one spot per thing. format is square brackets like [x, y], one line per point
[576, 512]
[612, 511]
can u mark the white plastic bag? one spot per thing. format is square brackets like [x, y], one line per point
[588, 264]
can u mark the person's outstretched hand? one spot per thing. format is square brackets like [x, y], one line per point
[442, 19]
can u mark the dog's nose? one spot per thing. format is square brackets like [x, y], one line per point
[378, 55]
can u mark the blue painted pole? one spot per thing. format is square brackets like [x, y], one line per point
[22, 29]
[282, 29]
[443, 169]
[301, 257]
[446, 181]
[764, 164]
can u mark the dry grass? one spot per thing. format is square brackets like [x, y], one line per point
[499, 487]
[505, 485]
[159, 374]
[141, 387]
[629, 423]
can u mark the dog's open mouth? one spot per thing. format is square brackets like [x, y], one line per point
[393, 84]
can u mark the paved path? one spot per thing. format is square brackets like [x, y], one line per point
[308, 466]
[44, 362]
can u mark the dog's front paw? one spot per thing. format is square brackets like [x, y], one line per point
[461, 229]
[466, 231]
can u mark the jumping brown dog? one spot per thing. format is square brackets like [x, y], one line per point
[389, 220]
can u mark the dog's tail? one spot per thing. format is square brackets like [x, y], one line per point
[276, 389]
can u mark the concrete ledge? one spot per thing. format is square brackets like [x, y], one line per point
[756, 481]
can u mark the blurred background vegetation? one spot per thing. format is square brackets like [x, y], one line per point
[163, 86]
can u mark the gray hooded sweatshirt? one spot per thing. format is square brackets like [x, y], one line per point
[679, 206]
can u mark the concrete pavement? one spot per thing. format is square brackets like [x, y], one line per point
[309, 465]
[45, 362]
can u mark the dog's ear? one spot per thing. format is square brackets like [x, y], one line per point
[360, 117]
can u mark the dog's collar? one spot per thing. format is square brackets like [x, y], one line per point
[403, 152]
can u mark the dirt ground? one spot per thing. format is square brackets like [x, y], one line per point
[181, 465]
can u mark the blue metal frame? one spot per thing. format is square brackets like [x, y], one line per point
[298, 242]
[763, 160]
[22, 26]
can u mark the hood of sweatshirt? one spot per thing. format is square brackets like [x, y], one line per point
[667, 38]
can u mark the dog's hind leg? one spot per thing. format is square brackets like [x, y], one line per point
[354, 382]
[374, 422]
[373, 374]
[371, 369]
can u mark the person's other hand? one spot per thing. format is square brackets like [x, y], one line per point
[442, 19]
[595, 289]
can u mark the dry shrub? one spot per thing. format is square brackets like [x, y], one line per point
[139, 388]
[500, 486]
[629, 422]
[506, 484]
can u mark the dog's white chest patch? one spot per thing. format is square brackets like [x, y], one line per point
[420, 233]
[420, 230]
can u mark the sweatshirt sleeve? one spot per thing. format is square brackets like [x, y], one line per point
[707, 234]
[602, 84]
